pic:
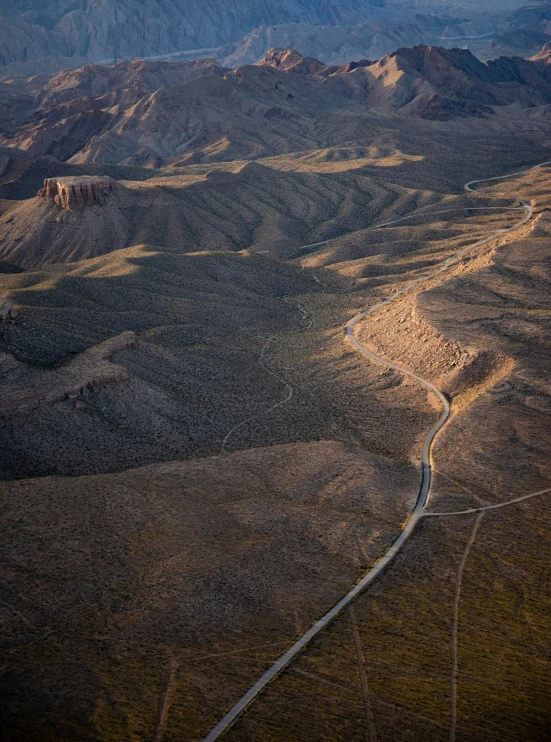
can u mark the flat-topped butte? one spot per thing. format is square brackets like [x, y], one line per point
[79, 191]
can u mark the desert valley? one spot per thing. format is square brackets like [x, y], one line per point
[274, 362]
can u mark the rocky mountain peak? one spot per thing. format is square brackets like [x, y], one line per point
[434, 60]
[289, 59]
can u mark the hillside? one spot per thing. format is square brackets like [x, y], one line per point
[236, 308]
[274, 107]
[63, 34]
[521, 34]
[242, 352]
[392, 664]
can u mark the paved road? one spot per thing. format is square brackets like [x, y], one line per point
[426, 474]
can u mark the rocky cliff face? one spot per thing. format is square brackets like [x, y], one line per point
[78, 192]
[70, 218]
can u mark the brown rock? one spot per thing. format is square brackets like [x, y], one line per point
[289, 59]
[7, 311]
[78, 192]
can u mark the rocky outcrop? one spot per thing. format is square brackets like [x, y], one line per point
[78, 192]
[544, 54]
[8, 313]
[25, 388]
[541, 225]
[291, 60]
[70, 219]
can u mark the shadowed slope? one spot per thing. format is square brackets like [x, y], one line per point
[270, 108]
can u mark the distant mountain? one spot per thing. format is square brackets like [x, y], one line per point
[522, 34]
[96, 30]
[338, 45]
[90, 91]
[149, 114]
[45, 36]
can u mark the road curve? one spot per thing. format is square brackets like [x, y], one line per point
[426, 474]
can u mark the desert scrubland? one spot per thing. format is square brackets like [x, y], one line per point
[196, 463]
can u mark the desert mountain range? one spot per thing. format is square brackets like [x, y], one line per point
[220, 132]
[158, 114]
[196, 460]
[49, 35]
[522, 34]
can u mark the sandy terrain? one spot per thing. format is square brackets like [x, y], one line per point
[495, 313]
[206, 561]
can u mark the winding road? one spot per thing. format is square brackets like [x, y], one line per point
[426, 469]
